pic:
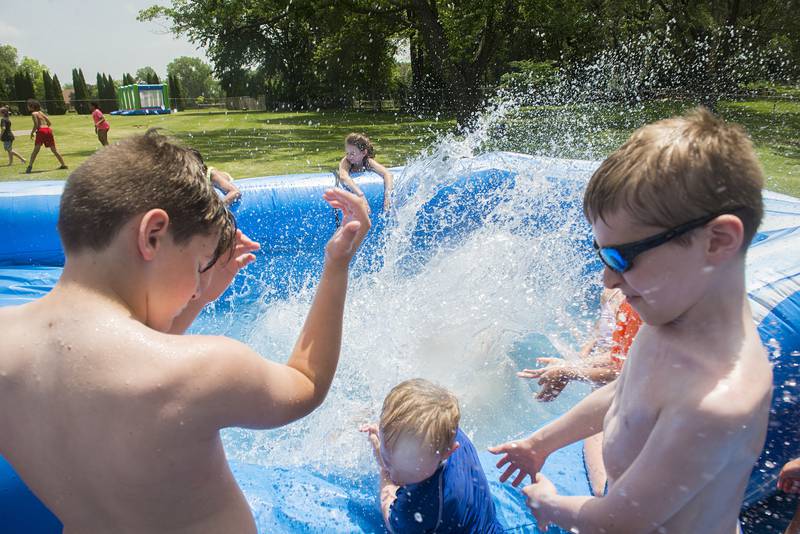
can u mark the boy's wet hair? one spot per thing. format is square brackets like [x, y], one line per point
[34, 104]
[361, 142]
[129, 178]
[421, 409]
[679, 169]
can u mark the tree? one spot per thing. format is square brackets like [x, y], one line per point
[34, 69]
[175, 92]
[194, 76]
[8, 66]
[127, 79]
[58, 107]
[47, 82]
[23, 90]
[81, 96]
[147, 75]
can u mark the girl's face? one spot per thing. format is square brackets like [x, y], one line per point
[354, 155]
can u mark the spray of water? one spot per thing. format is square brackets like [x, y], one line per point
[455, 313]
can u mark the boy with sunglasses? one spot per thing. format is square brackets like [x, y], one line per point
[673, 211]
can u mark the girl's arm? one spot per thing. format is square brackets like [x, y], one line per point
[47, 119]
[344, 176]
[224, 182]
[388, 181]
[35, 124]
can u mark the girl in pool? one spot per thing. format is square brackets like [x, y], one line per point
[359, 156]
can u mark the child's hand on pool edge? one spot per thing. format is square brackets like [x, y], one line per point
[355, 224]
[216, 280]
[535, 493]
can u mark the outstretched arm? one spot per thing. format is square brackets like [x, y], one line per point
[388, 182]
[344, 177]
[679, 458]
[527, 456]
[225, 183]
[237, 387]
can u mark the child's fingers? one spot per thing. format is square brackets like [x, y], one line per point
[529, 373]
[508, 472]
[547, 360]
[520, 477]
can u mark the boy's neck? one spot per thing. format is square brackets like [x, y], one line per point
[98, 275]
[722, 309]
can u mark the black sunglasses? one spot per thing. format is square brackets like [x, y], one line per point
[619, 258]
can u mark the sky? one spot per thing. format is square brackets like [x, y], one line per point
[95, 35]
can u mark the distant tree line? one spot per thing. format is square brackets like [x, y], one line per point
[324, 51]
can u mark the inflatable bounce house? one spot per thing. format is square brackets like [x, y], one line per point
[142, 99]
[438, 213]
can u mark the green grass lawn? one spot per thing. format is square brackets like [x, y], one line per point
[268, 143]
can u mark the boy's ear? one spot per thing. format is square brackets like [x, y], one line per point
[726, 238]
[152, 230]
[450, 451]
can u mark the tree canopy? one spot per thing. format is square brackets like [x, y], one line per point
[326, 51]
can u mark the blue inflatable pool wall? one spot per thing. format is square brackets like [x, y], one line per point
[286, 214]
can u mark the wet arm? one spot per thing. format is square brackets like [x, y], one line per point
[226, 185]
[344, 176]
[583, 420]
[388, 494]
[656, 486]
[388, 179]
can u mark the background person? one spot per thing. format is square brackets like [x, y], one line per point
[360, 156]
[43, 134]
[7, 136]
[101, 125]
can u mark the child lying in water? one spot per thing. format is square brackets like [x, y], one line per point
[431, 478]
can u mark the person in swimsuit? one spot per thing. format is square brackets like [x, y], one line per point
[101, 125]
[431, 479]
[220, 180]
[7, 136]
[600, 362]
[43, 133]
[359, 156]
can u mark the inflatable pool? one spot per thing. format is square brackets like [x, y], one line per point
[513, 212]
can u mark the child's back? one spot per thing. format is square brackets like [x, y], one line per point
[97, 404]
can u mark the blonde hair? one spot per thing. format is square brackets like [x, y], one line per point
[679, 169]
[421, 409]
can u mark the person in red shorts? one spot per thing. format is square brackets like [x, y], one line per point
[44, 134]
[101, 125]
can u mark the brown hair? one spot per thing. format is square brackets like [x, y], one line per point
[32, 103]
[138, 174]
[679, 169]
[4, 111]
[361, 142]
[421, 409]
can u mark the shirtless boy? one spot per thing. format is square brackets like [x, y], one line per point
[687, 418]
[42, 133]
[120, 431]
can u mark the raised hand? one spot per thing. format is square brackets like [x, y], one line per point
[372, 434]
[355, 224]
[519, 455]
[217, 279]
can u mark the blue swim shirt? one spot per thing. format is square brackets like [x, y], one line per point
[455, 499]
